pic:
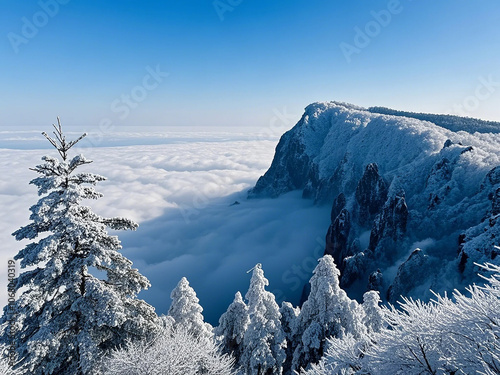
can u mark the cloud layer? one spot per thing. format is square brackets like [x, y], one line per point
[181, 195]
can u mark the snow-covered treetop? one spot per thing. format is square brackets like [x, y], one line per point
[59, 142]
[326, 272]
[186, 310]
[257, 287]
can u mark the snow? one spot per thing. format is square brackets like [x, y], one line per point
[448, 335]
[440, 171]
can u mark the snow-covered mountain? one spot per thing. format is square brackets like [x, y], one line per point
[415, 197]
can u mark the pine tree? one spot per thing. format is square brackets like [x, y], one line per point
[328, 312]
[187, 312]
[67, 318]
[289, 322]
[232, 326]
[264, 340]
[374, 316]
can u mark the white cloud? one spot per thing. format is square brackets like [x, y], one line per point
[180, 193]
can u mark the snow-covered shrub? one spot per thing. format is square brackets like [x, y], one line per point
[173, 352]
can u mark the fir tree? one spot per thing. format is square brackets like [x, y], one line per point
[264, 341]
[374, 316]
[187, 312]
[232, 326]
[67, 318]
[328, 312]
[289, 322]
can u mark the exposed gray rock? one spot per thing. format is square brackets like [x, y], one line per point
[375, 281]
[371, 194]
[338, 205]
[410, 274]
[337, 237]
[390, 226]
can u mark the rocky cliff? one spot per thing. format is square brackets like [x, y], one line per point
[415, 197]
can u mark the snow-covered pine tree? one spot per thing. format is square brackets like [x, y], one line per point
[374, 315]
[67, 318]
[289, 321]
[187, 312]
[264, 341]
[232, 326]
[328, 312]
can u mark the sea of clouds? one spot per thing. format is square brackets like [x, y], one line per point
[181, 188]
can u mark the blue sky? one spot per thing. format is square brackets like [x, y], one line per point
[85, 58]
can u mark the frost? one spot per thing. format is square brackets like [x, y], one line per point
[66, 317]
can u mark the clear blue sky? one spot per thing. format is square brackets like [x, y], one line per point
[264, 55]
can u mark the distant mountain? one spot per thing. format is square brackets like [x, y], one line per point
[453, 123]
[415, 197]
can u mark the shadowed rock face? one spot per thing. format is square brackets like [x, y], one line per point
[495, 206]
[492, 178]
[390, 224]
[478, 245]
[394, 181]
[337, 238]
[409, 275]
[375, 281]
[371, 194]
[387, 216]
[289, 170]
[338, 205]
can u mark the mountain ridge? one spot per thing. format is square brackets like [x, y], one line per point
[408, 182]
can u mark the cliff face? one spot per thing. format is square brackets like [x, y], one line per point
[395, 184]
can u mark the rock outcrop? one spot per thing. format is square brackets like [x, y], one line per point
[410, 274]
[389, 227]
[371, 194]
[337, 238]
[395, 181]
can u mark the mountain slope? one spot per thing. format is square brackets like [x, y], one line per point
[397, 183]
